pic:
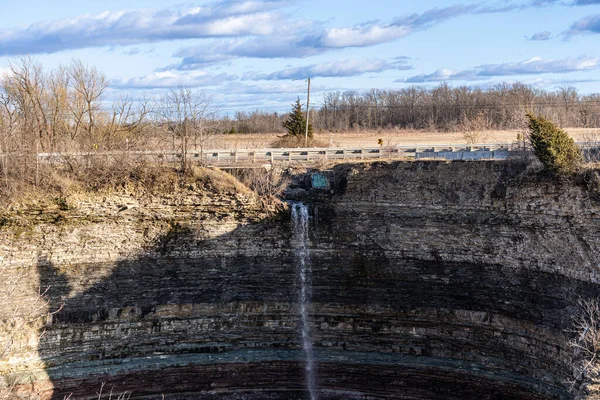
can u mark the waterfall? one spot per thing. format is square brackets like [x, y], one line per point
[300, 245]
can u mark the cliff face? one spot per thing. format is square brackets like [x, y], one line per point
[429, 280]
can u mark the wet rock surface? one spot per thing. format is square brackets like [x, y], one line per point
[429, 281]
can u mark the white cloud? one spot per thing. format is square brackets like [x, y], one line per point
[169, 79]
[300, 39]
[249, 19]
[222, 19]
[363, 36]
[371, 34]
[535, 65]
[338, 68]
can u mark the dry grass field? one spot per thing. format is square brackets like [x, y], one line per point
[390, 138]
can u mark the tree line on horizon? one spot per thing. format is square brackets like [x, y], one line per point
[67, 109]
[442, 108]
[446, 108]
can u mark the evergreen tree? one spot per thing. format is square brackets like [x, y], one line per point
[296, 122]
[553, 146]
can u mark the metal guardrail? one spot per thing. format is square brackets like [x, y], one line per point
[229, 156]
[493, 151]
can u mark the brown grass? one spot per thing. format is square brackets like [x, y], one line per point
[390, 137]
[295, 142]
[217, 181]
[58, 184]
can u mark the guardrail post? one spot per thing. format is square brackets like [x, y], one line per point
[289, 156]
[362, 154]
[344, 154]
[235, 156]
[325, 154]
[272, 158]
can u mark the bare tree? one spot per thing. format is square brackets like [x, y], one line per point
[23, 121]
[57, 99]
[88, 86]
[586, 342]
[190, 117]
[25, 84]
[473, 129]
[122, 122]
[8, 128]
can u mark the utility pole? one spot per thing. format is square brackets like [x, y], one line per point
[307, 114]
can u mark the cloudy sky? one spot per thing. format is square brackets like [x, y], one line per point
[256, 53]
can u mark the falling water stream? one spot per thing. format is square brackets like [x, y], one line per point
[300, 239]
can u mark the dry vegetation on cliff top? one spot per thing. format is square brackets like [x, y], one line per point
[61, 188]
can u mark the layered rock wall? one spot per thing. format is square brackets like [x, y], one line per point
[429, 280]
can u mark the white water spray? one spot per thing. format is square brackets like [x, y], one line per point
[300, 243]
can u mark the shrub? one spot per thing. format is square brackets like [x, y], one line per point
[553, 146]
[473, 129]
[295, 124]
[297, 141]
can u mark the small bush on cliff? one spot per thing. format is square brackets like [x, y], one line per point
[553, 146]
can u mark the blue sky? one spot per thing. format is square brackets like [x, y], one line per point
[252, 54]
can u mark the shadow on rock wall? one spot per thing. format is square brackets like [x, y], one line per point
[187, 316]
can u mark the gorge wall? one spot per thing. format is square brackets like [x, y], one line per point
[429, 281]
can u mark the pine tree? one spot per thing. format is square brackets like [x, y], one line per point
[296, 122]
[553, 146]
